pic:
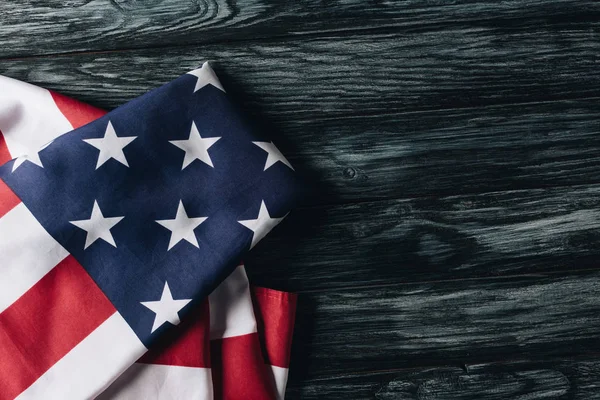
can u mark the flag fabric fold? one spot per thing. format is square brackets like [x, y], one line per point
[113, 234]
[251, 365]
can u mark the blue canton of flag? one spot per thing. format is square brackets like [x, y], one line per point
[159, 199]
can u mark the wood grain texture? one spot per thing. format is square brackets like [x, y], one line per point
[440, 323]
[555, 379]
[457, 237]
[446, 152]
[35, 27]
[362, 75]
[386, 152]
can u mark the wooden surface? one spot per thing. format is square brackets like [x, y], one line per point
[449, 245]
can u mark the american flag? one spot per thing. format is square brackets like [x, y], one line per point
[114, 233]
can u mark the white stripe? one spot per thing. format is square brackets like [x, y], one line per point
[231, 312]
[280, 376]
[27, 253]
[91, 366]
[29, 117]
[161, 382]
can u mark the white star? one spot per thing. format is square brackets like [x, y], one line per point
[261, 225]
[97, 227]
[110, 146]
[274, 155]
[182, 227]
[166, 309]
[196, 147]
[33, 157]
[206, 76]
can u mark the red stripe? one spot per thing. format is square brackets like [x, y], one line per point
[76, 112]
[186, 345]
[8, 199]
[275, 314]
[239, 370]
[4, 153]
[46, 322]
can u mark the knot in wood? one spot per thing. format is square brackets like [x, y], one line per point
[349, 173]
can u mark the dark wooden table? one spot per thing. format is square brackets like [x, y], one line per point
[450, 247]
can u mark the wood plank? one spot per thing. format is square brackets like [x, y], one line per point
[457, 237]
[531, 380]
[360, 75]
[32, 27]
[356, 145]
[444, 323]
[446, 152]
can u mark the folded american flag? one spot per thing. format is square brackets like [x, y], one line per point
[112, 233]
